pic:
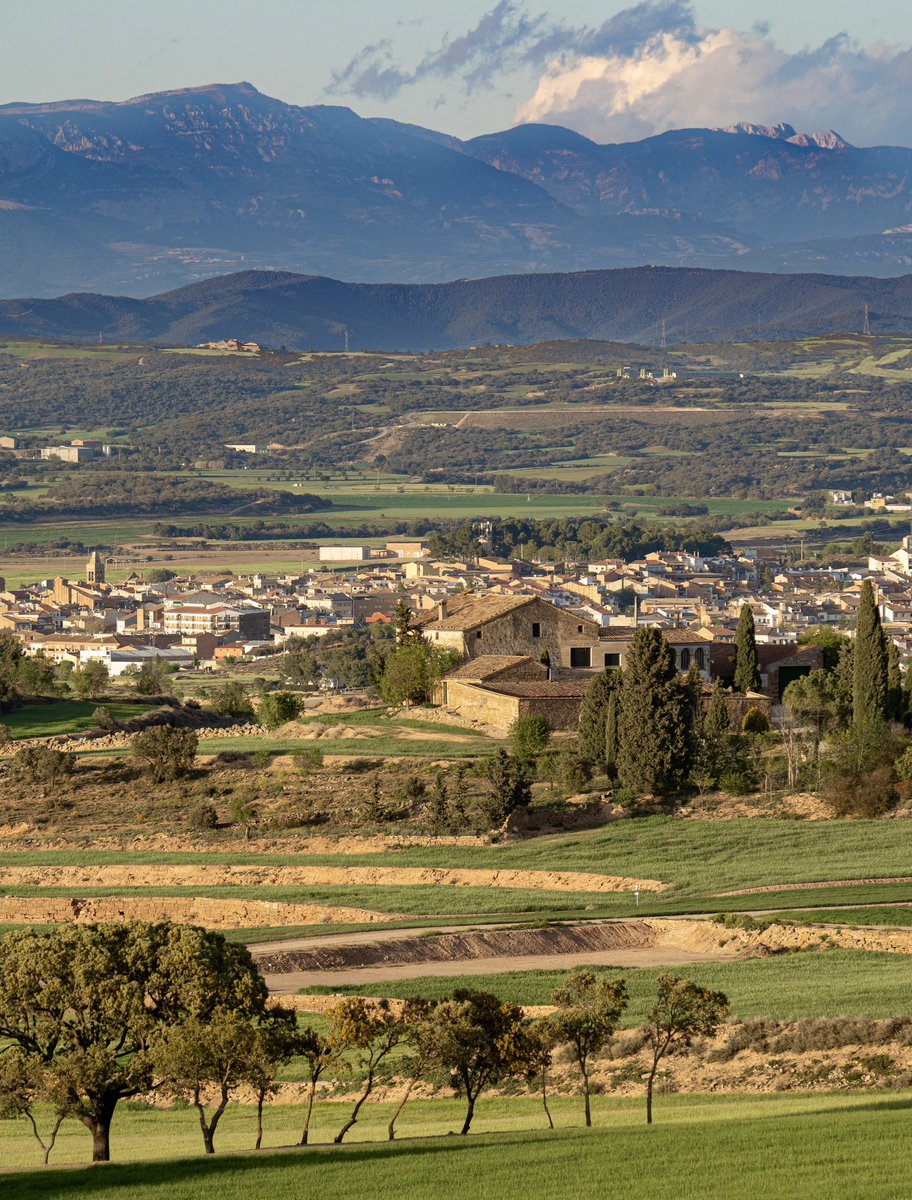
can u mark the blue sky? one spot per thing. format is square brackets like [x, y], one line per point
[611, 70]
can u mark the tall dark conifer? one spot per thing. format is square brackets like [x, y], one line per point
[747, 662]
[611, 734]
[594, 717]
[896, 697]
[869, 682]
[655, 718]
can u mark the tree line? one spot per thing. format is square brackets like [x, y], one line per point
[97, 1014]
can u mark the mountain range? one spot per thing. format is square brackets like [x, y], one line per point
[147, 194]
[278, 308]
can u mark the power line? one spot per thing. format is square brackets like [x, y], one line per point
[867, 321]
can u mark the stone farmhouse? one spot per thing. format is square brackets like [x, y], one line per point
[526, 656]
[476, 625]
[497, 689]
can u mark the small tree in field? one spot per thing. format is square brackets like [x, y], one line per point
[231, 700]
[480, 1041]
[23, 1087]
[509, 787]
[165, 752]
[41, 764]
[207, 1061]
[529, 737]
[91, 680]
[588, 1011]
[541, 1039]
[372, 1030]
[153, 678]
[682, 1011]
[319, 1054]
[420, 1038]
[277, 708]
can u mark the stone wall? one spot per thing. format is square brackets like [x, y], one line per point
[561, 712]
[474, 703]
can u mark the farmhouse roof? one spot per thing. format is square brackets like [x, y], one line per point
[544, 689]
[468, 612]
[487, 666]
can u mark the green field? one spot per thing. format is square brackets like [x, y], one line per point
[788, 987]
[699, 857]
[67, 716]
[800, 1147]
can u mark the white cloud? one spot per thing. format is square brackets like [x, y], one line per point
[693, 77]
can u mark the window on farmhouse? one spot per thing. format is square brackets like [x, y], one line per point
[580, 656]
[612, 660]
[700, 658]
[685, 660]
[478, 633]
[536, 629]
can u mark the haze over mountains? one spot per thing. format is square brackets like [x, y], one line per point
[300, 312]
[166, 189]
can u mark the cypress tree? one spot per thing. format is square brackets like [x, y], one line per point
[896, 700]
[844, 685]
[655, 718]
[716, 723]
[869, 683]
[747, 663]
[594, 717]
[611, 734]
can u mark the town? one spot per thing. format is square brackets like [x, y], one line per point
[532, 634]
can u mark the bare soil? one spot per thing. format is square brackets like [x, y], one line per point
[810, 887]
[185, 910]
[210, 875]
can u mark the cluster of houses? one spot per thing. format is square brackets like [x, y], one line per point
[530, 635]
[79, 450]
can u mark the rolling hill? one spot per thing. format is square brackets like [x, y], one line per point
[298, 311]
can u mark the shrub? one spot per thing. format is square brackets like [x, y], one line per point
[755, 721]
[309, 759]
[242, 810]
[903, 766]
[571, 772]
[868, 796]
[277, 708]
[231, 700]
[105, 719]
[39, 764]
[165, 752]
[739, 780]
[528, 737]
[202, 816]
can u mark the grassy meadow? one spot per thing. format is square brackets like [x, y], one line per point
[786, 987]
[797, 1147]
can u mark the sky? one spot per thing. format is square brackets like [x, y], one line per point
[613, 71]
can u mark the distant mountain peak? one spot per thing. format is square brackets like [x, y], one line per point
[220, 91]
[824, 139]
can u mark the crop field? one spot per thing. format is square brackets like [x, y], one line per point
[788, 987]
[66, 716]
[722, 1148]
[859, 862]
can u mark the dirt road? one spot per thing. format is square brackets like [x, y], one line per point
[290, 982]
[365, 959]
